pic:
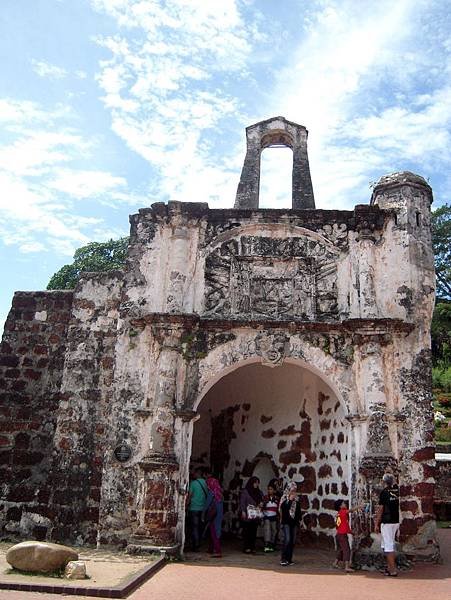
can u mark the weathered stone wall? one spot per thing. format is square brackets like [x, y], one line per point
[128, 361]
[31, 368]
[442, 504]
[411, 280]
[82, 416]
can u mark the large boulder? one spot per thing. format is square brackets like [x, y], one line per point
[41, 557]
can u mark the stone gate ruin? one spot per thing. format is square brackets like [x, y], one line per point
[289, 341]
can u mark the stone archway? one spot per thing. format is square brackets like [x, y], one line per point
[289, 417]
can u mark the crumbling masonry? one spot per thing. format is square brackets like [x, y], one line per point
[295, 341]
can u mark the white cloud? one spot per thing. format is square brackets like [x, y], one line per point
[40, 184]
[28, 211]
[14, 113]
[166, 86]
[160, 85]
[34, 246]
[35, 152]
[351, 81]
[418, 132]
[45, 69]
[86, 184]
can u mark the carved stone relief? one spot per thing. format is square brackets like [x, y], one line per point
[275, 278]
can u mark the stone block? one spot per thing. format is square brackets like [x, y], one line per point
[75, 569]
[326, 521]
[325, 471]
[427, 453]
[9, 361]
[409, 506]
[40, 557]
[424, 489]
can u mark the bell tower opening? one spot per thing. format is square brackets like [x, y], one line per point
[275, 179]
[271, 133]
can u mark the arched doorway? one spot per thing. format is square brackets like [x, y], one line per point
[283, 422]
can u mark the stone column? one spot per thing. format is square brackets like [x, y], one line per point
[248, 191]
[159, 469]
[368, 304]
[373, 393]
[302, 192]
[178, 269]
[376, 455]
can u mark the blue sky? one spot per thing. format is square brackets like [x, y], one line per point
[109, 105]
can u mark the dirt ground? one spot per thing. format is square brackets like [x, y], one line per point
[104, 568]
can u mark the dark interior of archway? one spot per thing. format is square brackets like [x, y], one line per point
[276, 422]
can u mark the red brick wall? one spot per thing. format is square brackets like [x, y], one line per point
[31, 366]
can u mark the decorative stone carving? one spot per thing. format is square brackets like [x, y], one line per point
[378, 442]
[272, 348]
[337, 233]
[272, 278]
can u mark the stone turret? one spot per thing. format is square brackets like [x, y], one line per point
[266, 134]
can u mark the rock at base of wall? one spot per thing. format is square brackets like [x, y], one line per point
[41, 557]
[75, 569]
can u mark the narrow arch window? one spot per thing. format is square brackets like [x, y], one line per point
[418, 218]
[274, 133]
[276, 177]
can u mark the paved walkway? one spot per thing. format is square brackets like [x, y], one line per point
[236, 578]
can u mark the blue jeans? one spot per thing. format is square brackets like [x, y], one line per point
[195, 522]
[289, 535]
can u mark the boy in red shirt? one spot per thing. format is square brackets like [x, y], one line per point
[343, 529]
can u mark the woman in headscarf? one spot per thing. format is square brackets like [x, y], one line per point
[214, 512]
[251, 497]
[290, 515]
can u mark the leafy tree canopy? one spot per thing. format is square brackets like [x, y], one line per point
[441, 334]
[96, 256]
[441, 320]
[441, 241]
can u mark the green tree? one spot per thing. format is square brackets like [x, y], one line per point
[441, 320]
[441, 241]
[96, 256]
[441, 334]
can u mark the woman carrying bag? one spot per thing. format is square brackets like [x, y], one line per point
[251, 501]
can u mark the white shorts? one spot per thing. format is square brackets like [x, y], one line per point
[388, 533]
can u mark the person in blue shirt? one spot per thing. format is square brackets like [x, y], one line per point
[197, 499]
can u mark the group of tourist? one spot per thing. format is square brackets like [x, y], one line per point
[279, 511]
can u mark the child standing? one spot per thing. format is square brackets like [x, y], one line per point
[342, 530]
[270, 515]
